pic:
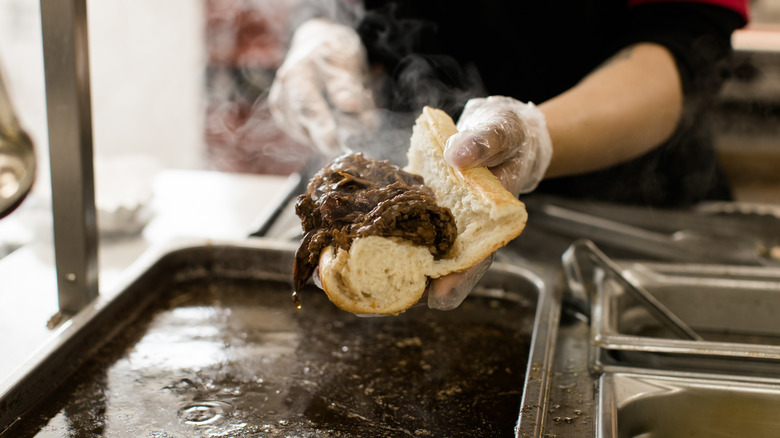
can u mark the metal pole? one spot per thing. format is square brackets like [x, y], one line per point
[66, 67]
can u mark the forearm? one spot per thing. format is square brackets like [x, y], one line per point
[628, 106]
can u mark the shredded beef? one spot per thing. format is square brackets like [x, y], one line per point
[356, 196]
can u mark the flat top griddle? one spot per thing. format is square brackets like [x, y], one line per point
[234, 357]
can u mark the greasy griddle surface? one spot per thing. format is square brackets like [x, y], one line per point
[236, 358]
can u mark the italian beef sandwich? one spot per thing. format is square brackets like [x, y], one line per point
[379, 233]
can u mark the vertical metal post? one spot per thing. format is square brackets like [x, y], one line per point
[69, 111]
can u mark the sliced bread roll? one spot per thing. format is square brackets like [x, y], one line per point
[380, 275]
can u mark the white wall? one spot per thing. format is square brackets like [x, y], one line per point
[147, 61]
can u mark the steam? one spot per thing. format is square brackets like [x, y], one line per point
[347, 12]
[245, 139]
[412, 74]
[247, 41]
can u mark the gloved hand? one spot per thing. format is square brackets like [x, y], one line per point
[510, 138]
[320, 86]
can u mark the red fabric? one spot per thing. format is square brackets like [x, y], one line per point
[740, 6]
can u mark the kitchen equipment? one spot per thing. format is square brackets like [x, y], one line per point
[282, 221]
[679, 236]
[203, 339]
[586, 251]
[734, 308]
[64, 33]
[686, 405]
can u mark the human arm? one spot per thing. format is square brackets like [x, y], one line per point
[621, 110]
[626, 107]
[630, 105]
[659, 47]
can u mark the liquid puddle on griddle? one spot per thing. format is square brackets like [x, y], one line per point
[226, 359]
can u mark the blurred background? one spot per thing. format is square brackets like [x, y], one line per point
[183, 82]
[184, 144]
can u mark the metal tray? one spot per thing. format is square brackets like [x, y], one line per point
[670, 406]
[204, 340]
[734, 308]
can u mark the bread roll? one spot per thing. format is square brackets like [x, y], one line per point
[386, 276]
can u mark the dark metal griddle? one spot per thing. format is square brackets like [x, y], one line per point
[206, 342]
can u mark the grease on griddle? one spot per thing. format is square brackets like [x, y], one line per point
[231, 358]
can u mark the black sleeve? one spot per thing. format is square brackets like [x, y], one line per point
[698, 35]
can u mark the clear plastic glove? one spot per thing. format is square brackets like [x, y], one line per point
[447, 292]
[319, 89]
[510, 138]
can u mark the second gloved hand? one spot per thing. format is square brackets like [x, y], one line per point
[510, 138]
[320, 85]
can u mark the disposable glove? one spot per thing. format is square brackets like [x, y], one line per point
[510, 138]
[318, 95]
